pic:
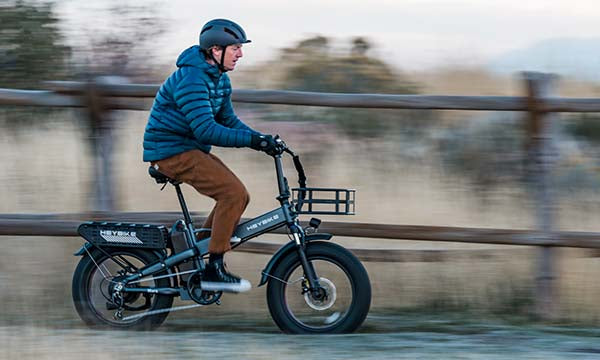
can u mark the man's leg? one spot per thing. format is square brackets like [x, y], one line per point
[210, 177]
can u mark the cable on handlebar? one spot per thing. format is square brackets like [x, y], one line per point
[300, 169]
[301, 180]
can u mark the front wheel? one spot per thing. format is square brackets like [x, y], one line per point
[340, 306]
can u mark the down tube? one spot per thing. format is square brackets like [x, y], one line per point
[261, 224]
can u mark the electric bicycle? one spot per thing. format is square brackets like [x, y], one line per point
[129, 274]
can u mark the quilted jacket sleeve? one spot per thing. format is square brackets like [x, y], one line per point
[229, 119]
[192, 98]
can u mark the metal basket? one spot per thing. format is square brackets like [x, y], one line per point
[324, 201]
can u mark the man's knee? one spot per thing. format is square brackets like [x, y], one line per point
[239, 195]
[244, 196]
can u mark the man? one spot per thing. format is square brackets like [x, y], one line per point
[192, 111]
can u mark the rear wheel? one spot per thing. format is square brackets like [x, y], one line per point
[96, 276]
[340, 305]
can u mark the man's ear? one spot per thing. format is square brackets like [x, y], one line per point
[216, 51]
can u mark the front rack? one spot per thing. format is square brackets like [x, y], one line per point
[324, 201]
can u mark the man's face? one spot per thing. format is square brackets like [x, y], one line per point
[232, 55]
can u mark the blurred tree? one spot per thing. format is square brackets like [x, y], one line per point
[31, 46]
[584, 126]
[360, 46]
[31, 50]
[488, 150]
[120, 44]
[317, 67]
[356, 72]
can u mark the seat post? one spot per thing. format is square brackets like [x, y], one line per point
[184, 209]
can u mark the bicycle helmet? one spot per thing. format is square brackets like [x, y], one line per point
[221, 32]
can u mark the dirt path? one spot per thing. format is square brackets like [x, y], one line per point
[382, 337]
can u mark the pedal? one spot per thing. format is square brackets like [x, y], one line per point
[218, 302]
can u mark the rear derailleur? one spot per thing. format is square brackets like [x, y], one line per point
[119, 301]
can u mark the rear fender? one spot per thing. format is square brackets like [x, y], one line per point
[284, 251]
[84, 249]
[88, 247]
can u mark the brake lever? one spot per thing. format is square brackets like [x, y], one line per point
[282, 145]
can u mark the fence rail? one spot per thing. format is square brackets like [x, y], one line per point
[69, 94]
[66, 225]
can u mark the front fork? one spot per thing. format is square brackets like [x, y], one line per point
[307, 266]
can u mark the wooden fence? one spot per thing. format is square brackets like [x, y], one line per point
[540, 102]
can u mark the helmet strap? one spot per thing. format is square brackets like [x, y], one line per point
[219, 64]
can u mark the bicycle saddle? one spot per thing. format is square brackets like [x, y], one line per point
[160, 177]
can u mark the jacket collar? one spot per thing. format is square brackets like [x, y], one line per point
[192, 56]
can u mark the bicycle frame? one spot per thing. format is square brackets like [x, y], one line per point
[197, 249]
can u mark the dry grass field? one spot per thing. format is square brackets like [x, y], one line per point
[48, 170]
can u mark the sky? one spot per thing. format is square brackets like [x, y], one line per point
[410, 34]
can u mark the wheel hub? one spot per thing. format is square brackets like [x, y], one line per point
[324, 299]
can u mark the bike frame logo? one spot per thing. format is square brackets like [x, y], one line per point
[262, 223]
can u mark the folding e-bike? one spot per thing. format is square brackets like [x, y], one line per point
[129, 274]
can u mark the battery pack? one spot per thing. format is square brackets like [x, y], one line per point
[124, 235]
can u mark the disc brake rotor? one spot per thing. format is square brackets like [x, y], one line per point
[326, 301]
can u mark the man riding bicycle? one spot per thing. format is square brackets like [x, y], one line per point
[191, 112]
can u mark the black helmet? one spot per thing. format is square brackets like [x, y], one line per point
[221, 32]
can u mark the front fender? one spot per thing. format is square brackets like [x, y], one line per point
[286, 249]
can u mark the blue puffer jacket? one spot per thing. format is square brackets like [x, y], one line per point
[192, 110]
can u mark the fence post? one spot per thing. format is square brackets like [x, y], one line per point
[102, 145]
[541, 153]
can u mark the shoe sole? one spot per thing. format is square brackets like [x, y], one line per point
[243, 286]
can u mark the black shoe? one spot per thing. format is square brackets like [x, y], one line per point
[216, 278]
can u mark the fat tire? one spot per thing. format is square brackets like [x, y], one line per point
[355, 271]
[85, 309]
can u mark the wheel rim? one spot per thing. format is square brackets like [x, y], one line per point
[101, 279]
[319, 314]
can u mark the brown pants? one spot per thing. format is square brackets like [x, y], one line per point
[209, 176]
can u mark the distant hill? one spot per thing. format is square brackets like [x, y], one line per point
[577, 57]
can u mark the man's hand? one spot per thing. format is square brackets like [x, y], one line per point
[264, 143]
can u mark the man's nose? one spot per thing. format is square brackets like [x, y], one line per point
[240, 54]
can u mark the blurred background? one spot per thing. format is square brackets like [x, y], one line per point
[417, 167]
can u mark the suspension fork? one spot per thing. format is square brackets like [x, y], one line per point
[307, 266]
